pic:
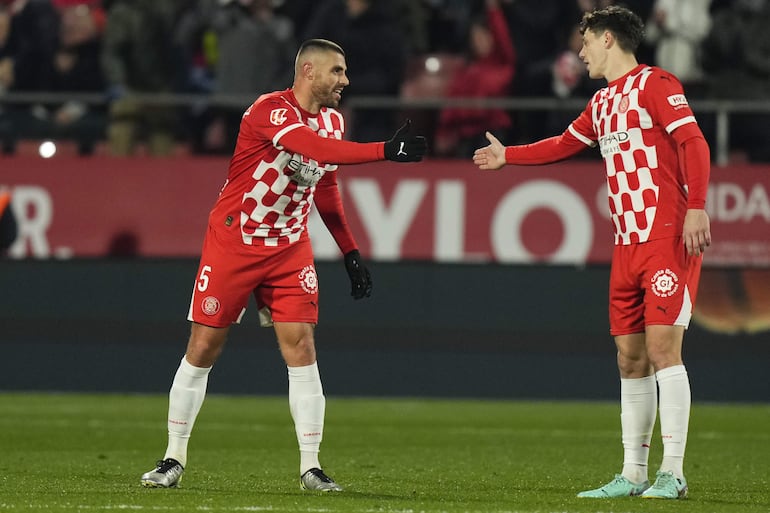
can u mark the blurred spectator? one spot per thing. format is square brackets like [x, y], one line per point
[540, 29]
[32, 40]
[139, 57]
[676, 30]
[197, 45]
[6, 77]
[488, 73]
[254, 52]
[643, 8]
[736, 58]
[569, 76]
[569, 79]
[8, 227]
[300, 12]
[375, 54]
[28, 42]
[76, 69]
[448, 23]
[413, 17]
[255, 48]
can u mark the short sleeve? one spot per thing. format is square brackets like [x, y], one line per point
[269, 119]
[582, 128]
[664, 98]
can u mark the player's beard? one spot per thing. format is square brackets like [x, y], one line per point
[326, 97]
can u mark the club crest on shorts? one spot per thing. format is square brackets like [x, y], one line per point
[664, 283]
[308, 280]
[210, 305]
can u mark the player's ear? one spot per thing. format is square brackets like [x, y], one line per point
[307, 70]
[608, 39]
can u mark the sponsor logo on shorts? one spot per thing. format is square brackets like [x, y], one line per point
[664, 283]
[308, 280]
[210, 305]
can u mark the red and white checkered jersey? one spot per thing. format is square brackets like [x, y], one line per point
[269, 190]
[631, 120]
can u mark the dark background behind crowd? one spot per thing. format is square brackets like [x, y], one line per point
[224, 53]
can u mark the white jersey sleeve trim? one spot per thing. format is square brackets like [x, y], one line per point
[283, 131]
[680, 122]
[580, 137]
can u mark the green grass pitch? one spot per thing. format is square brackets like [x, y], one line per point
[85, 453]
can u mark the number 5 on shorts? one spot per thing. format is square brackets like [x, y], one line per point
[203, 279]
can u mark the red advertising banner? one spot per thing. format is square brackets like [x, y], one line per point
[444, 211]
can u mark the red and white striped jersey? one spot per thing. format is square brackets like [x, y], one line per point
[269, 190]
[631, 120]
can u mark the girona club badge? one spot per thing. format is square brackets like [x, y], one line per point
[664, 283]
[308, 280]
[210, 305]
[624, 104]
[278, 116]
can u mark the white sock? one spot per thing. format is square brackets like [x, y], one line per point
[307, 405]
[638, 407]
[184, 402]
[675, 402]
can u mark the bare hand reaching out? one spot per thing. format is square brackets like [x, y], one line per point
[492, 156]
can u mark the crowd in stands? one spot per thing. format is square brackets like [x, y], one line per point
[231, 50]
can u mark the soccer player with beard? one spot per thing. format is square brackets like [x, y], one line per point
[658, 164]
[286, 157]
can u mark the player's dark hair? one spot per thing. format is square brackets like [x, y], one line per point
[624, 24]
[323, 44]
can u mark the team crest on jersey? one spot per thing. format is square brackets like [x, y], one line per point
[308, 280]
[210, 305]
[278, 116]
[624, 102]
[664, 283]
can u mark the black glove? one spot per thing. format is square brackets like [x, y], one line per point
[360, 279]
[405, 147]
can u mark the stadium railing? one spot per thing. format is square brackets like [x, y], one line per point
[722, 110]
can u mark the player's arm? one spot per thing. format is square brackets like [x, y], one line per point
[329, 204]
[546, 151]
[299, 138]
[402, 147]
[666, 102]
[695, 161]
[577, 137]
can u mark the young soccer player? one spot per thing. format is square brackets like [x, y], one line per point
[658, 165]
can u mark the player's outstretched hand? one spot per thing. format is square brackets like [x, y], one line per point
[360, 279]
[405, 147]
[492, 156]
